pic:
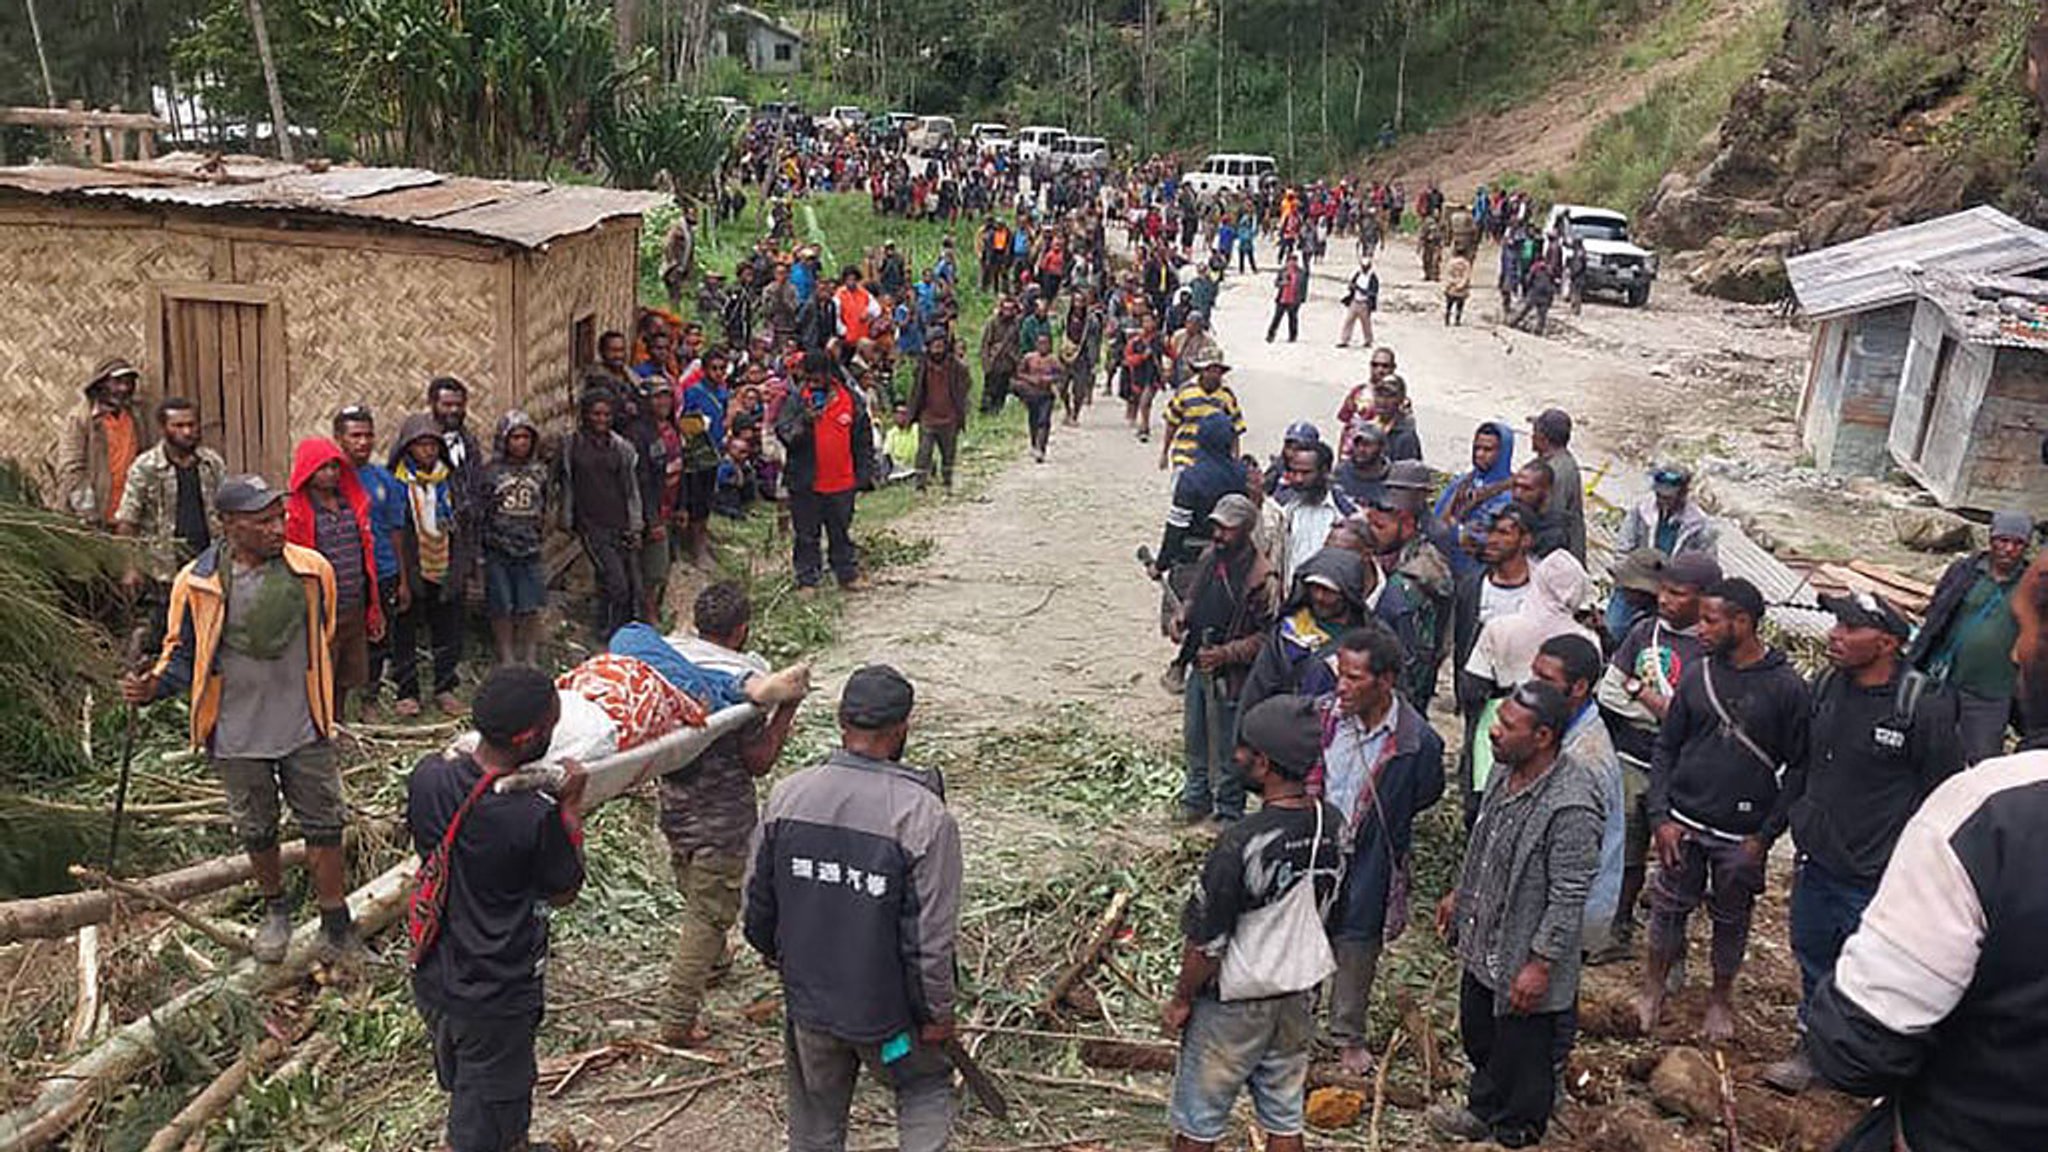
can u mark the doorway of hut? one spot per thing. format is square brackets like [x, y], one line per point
[223, 347]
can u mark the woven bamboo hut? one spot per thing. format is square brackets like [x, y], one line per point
[273, 294]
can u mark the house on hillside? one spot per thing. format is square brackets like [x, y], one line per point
[766, 44]
[1972, 413]
[1862, 299]
[273, 294]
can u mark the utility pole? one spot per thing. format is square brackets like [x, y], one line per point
[277, 118]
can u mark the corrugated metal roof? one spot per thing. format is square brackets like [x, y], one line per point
[2002, 311]
[1873, 272]
[524, 213]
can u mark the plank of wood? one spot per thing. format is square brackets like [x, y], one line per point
[1893, 577]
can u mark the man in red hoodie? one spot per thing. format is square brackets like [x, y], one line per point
[329, 512]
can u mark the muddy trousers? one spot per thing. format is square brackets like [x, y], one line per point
[1356, 316]
[1514, 1076]
[832, 513]
[709, 881]
[1711, 871]
[1292, 313]
[819, 1073]
[945, 444]
[486, 1066]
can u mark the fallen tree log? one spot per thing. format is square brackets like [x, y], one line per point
[46, 917]
[234, 940]
[66, 1095]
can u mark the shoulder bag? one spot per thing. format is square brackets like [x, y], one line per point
[429, 900]
[1283, 947]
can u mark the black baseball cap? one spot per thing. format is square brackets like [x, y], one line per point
[1866, 610]
[876, 696]
[240, 494]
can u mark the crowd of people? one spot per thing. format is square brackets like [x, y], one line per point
[1630, 761]
[1620, 762]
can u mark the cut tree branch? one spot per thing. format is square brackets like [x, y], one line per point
[227, 938]
[1106, 927]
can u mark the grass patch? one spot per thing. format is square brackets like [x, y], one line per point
[1629, 154]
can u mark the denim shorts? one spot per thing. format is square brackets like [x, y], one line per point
[1258, 1044]
[514, 587]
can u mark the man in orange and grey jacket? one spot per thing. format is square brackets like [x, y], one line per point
[249, 643]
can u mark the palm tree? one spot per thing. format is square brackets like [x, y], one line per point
[277, 120]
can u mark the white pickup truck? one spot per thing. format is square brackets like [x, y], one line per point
[1614, 263]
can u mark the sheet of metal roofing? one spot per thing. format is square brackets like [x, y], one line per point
[557, 210]
[1874, 271]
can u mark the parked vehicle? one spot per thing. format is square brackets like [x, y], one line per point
[847, 116]
[1233, 174]
[1614, 263]
[987, 134]
[902, 120]
[1085, 153]
[1036, 140]
[932, 134]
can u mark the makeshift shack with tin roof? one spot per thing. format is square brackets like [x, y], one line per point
[1861, 297]
[273, 294]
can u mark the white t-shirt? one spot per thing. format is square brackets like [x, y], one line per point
[1496, 600]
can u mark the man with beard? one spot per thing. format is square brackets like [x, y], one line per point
[1362, 476]
[167, 504]
[1881, 739]
[102, 440]
[1515, 919]
[477, 981]
[1967, 639]
[853, 897]
[1314, 509]
[1738, 722]
[448, 403]
[1230, 602]
[1635, 694]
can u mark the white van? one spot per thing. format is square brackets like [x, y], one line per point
[988, 134]
[1037, 140]
[931, 134]
[1233, 173]
[1087, 153]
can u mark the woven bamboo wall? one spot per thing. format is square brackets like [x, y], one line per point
[70, 297]
[594, 272]
[365, 325]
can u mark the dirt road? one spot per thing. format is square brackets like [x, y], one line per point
[1030, 601]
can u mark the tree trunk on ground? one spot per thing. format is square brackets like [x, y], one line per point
[277, 117]
[49, 916]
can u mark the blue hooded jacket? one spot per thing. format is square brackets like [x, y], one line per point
[1473, 526]
[1216, 473]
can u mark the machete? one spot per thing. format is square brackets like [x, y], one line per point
[978, 1082]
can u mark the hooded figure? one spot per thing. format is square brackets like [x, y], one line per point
[1216, 472]
[430, 500]
[1292, 657]
[301, 522]
[514, 493]
[1464, 513]
[1506, 649]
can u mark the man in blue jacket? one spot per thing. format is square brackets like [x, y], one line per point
[1382, 765]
